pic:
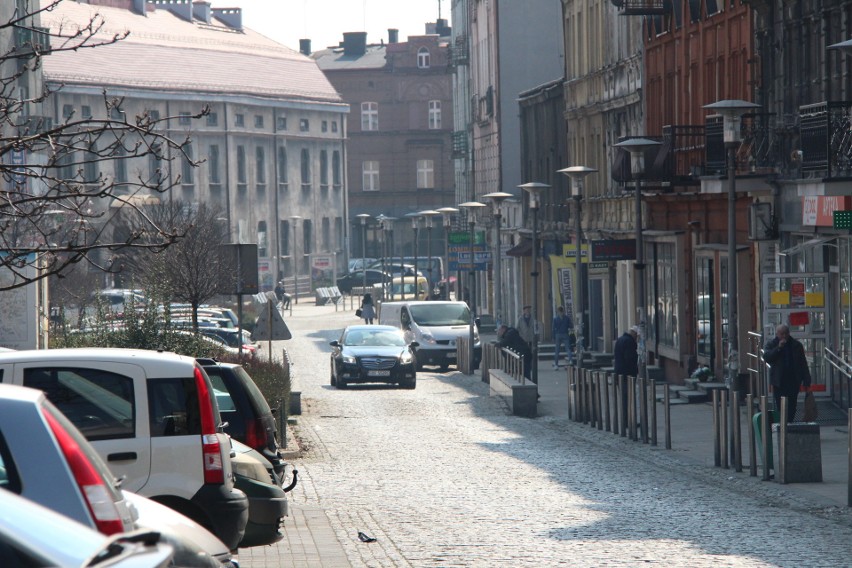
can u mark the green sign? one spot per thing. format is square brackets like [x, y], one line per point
[843, 219]
[463, 238]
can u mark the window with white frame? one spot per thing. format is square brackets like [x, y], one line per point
[370, 175]
[369, 116]
[425, 174]
[434, 115]
[423, 58]
[663, 290]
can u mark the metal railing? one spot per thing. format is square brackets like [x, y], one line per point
[501, 359]
[840, 377]
[756, 367]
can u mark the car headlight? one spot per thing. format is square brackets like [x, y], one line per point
[350, 360]
[475, 335]
[406, 358]
[428, 338]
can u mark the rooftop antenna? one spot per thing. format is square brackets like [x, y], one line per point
[439, 9]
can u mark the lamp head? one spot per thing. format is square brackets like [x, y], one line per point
[731, 111]
[471, 207]
[496, 198]
[446, 215]
[577, 175]
[534, 188]
[427, 217]
[363, 217]
[637, 147]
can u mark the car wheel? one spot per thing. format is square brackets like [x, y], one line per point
[341, 384]
[332, 380]
[410, 384]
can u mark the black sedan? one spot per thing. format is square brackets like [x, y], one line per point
[373, 354]
[355, 279]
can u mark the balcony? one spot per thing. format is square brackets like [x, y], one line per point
[825, 136]
[762, 151]
[459, 145]
[642, 7]
[675, 164]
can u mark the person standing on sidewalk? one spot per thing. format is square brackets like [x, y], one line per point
[526, 326]
[788, 368]
[626, 354]
[562, 328]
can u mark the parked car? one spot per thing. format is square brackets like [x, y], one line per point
[32, 535]
[356, 279]
[407, 289]
[373, 354]
[153, 418]
[359, 263]
[44, 458]
[232, 337]
[267, 500]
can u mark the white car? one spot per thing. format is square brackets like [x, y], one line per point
[153, 419]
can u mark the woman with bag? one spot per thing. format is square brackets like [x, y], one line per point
[368, 312]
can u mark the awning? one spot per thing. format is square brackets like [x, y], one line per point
[799, 248]
[524, 248]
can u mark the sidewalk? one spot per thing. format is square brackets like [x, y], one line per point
[692, 441]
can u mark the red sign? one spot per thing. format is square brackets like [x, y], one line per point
[797, 294]
[799, 318]
[818, 210]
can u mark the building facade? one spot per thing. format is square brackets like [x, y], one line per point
[270, 146]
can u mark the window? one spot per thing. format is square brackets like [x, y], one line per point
[282, 167]
[154, 158]
[307, 236]
[99, 403]
[334, 126]
[91, 171]
[335, 169]
[213, 163]
[184, 119]
[284, 237]
[212, 119]
[434, 115]
[663, 289]
[187, 167]
[338, 230]
[425, 174]
[326, 233]
[324, 126]
[370, 175]
[306, 169]
[281, 123]
[241, 164]
[369, 116]
[173, 407]
[262, 248]
[423, 58]
[67, 111]
[323, 169]
[258, 121]
[115, 113]
[260, 165]
[304, 125]
[120, 165]
[154, 115]
[239, 119]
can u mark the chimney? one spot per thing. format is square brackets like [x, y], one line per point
[180, 8]
[354, 43]
[231, 17]
[201, 11]
[393, 35]
[442, 29]
[305, 47]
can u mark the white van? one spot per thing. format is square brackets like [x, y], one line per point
[436, 326]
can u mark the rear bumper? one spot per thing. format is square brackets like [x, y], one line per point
[227, 511]
[266, 512]
[445, 356]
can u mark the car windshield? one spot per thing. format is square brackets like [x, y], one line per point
[378, 338]
[408, 288]
[440, 314]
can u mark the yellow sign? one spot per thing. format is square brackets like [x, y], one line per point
[815, 299]
[570, 251]
[780, 298]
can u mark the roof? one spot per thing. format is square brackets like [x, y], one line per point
[163, 51]
[162, 361]
[334, 59]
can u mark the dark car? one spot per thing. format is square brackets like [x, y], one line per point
[373, 354]
[355, 279]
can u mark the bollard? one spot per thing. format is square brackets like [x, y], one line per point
[752, 447]
[570, 394]
[622, 408]
[643, 408]
[593, 415]
[607, 414]
[587, 398]
[782, 441]
[849, 459]
[723, 426]
[668, 415]
[766, 436]
[631, 407]
[653, 402]
[599, 400]
[738, 449]
[717, 457]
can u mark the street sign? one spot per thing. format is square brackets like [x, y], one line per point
[460, 258]
[463, 238]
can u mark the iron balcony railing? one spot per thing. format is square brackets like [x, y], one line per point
[757, 154]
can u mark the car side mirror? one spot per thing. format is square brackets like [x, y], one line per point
[334, 343]
[478, 322]
[414, 345]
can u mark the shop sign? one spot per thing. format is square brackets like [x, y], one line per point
[818, 210]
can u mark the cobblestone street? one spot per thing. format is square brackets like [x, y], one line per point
[443, 476]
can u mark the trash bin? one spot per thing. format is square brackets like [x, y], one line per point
[802, 455]
[758, 435]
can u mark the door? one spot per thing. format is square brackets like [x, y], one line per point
[801, 301]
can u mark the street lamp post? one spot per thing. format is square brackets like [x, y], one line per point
[731, 111]
[447, 221]
[364, 218]
[470, 207]
[388, 224]
[295, 219]
[534, 189]
[497, 198]
[578, 175]
[427, 217]
[637, 147]
[415, 225]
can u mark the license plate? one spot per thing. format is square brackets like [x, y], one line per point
[451, 355]
[378, 373]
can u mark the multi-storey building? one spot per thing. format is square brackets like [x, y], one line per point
[271, 146]
[400, 99]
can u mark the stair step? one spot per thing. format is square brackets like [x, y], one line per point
[693, 396]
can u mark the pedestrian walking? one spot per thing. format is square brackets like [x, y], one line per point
[526, 326]
[626, 354]
[510, 338]
[282, 295]
[563, 327]
[788, 368]
[368, 311]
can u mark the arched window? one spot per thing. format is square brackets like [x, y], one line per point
[423, 58]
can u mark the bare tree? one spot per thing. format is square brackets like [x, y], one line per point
[189, 270]
[57, 206]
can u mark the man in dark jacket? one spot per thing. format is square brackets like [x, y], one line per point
[788, 368]
[626, 356]
[509, 338]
